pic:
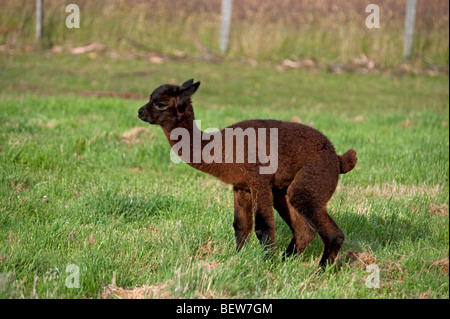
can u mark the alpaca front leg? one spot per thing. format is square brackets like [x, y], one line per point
[264, 219]
[243, 216]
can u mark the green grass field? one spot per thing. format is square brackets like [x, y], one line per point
[78, 187]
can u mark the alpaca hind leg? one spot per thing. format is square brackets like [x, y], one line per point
[308, 194]
[302, 232]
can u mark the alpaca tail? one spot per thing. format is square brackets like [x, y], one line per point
[347, 161]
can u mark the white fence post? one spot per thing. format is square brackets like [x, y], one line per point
[225, 17]
[39, 18]
[409, 28]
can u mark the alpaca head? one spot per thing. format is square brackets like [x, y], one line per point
[170, 105]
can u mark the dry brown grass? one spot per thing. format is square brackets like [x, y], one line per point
[207, 249]
[171, 289]
[356, 259]
[361, 196]
[386, 191]
[135, 135]
[261, 29]
[440, 210]
[159, 291]
[441, 265]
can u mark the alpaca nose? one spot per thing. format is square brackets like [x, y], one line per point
[141, 112]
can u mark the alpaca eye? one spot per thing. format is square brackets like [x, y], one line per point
[160, 106]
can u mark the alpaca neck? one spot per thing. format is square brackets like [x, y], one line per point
[187, 138]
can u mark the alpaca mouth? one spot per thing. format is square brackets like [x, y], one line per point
[145, 120]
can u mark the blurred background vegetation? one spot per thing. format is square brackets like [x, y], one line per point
[262, 30]
[83, 182]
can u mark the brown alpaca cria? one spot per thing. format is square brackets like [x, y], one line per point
[304, 181]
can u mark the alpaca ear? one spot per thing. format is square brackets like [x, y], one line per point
[186, 92]
[187, 83]
[185, 95]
